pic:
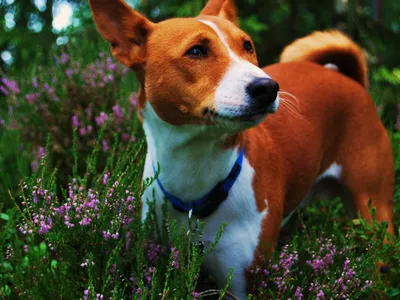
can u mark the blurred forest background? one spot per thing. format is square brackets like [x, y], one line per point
[33, 31]
[32, 28]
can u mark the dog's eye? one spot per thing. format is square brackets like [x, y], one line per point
[197, 51]
[248, 46]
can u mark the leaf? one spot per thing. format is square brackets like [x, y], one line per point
[5, 217]
[393, 292]
[54, 264]
[6, 290]
[43, 248]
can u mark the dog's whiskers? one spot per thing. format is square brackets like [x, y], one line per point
[291, 104]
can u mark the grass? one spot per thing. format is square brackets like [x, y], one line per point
[71, 162]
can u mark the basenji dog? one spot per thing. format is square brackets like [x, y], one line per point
[243, 145]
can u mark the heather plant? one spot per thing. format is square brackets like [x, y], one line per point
[331, 257]
[384, 90]
[88, 241]
[71, 95]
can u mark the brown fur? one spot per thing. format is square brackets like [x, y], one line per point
[296, 151]
[223, 8]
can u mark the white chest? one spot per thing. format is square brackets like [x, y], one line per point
[241, 236]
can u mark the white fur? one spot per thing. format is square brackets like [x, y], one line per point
[191, 164]
[186, 155]
[331, 67]
[231, 96]
[333, 171]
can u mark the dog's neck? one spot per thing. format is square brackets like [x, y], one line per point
[192, 160]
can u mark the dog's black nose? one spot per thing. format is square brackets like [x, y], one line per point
[263, 90]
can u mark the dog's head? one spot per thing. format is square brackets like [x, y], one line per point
[201, 70]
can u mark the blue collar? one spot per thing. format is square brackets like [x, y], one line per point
[211, 201]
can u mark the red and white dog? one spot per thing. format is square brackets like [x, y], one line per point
[227, 153]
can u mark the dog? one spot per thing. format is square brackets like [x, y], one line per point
[243, 145]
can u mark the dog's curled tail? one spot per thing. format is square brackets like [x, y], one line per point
[331, 49]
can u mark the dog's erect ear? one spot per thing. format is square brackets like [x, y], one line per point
[125, 29]
[222, 8]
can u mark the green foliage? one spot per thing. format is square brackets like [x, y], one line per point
[115, 255]
[384, 90]
[90, 240]
[330, 257]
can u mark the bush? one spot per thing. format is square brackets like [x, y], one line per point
[71, 95]
[90, 242]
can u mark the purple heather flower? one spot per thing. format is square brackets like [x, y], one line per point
[2, 122]
[11, 85]
[32, 98]
[368, 284]
[107, 235]
[82, 131]
[118, 113]
[320, 295]
[4, 90]
[44, 228]
[298, 293]
[125, 71]
[9, 252]
[69, 73]
[153, 252]
[64, 58]
[85, 221]
[35, 198]
[108, 78]
[125, 137]
[41, 152]
[68, 224]
[101, 119]
[133, 99]
[106, 148]
[46, 87]
[86, 263]
[34, 165]
[75, 121]
[35, 83]
[175, 258]
[85, 294]
[113, 268]
[105, 178]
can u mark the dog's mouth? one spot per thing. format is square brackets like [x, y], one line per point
[244, 117]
